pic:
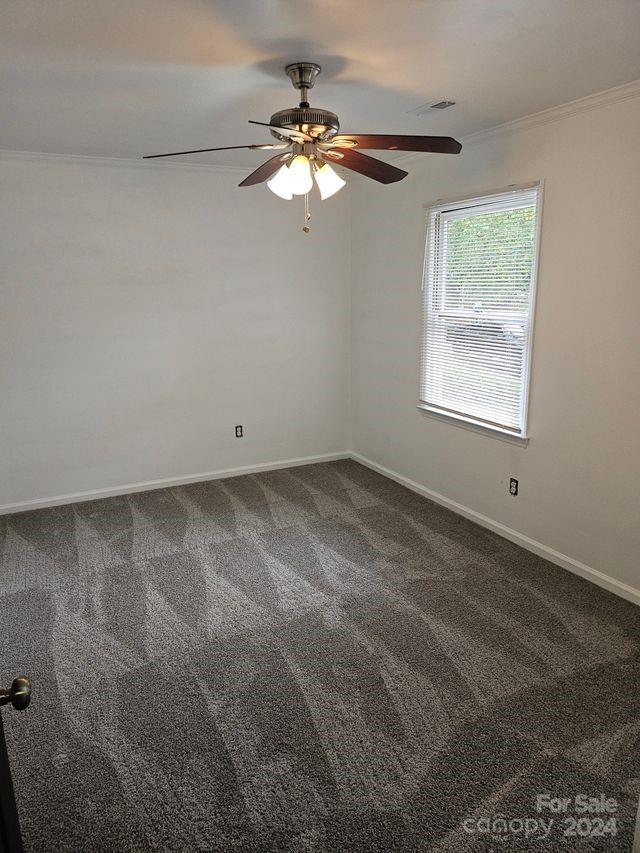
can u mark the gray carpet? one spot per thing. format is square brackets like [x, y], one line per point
[313, 659]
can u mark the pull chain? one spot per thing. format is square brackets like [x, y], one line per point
[307, 215]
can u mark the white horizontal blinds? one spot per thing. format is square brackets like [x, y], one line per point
[478, 288]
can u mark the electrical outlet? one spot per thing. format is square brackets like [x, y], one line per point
[513, 486]
[239, 431]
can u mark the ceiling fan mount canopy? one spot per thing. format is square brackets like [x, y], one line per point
[303, 74]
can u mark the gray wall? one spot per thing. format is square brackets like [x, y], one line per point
[148, 308]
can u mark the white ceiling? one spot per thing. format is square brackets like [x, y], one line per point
[120, 78]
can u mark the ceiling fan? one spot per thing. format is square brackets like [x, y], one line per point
[309, 141]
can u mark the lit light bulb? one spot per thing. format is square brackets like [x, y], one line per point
[280, 184]
[328, 181]
[300, 175]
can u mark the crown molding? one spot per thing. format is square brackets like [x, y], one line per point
[571, 108]
[548, 116]
[90, 159]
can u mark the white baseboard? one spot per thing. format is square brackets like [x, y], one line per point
[575, 566]
[77, 497]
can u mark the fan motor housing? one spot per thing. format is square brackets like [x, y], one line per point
[319, 123]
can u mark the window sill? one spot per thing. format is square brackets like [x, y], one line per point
[473, 425]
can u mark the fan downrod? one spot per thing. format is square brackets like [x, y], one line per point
[303, 76]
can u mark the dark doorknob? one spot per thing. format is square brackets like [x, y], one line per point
[19, 694]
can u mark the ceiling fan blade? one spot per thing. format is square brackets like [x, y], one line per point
[295, 135]
[265, 171]
[369, 166]
[392, 142]
[268, 147]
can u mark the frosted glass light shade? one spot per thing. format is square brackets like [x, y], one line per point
[280, 184]
[300, 175]
[328, 181]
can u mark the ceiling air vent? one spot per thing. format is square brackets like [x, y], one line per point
[425, 109]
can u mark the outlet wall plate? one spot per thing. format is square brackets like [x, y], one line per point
[513, 486]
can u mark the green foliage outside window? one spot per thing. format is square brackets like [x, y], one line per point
[488, 259]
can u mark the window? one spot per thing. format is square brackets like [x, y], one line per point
[479, 284]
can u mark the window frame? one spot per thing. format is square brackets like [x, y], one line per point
[481, 200]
